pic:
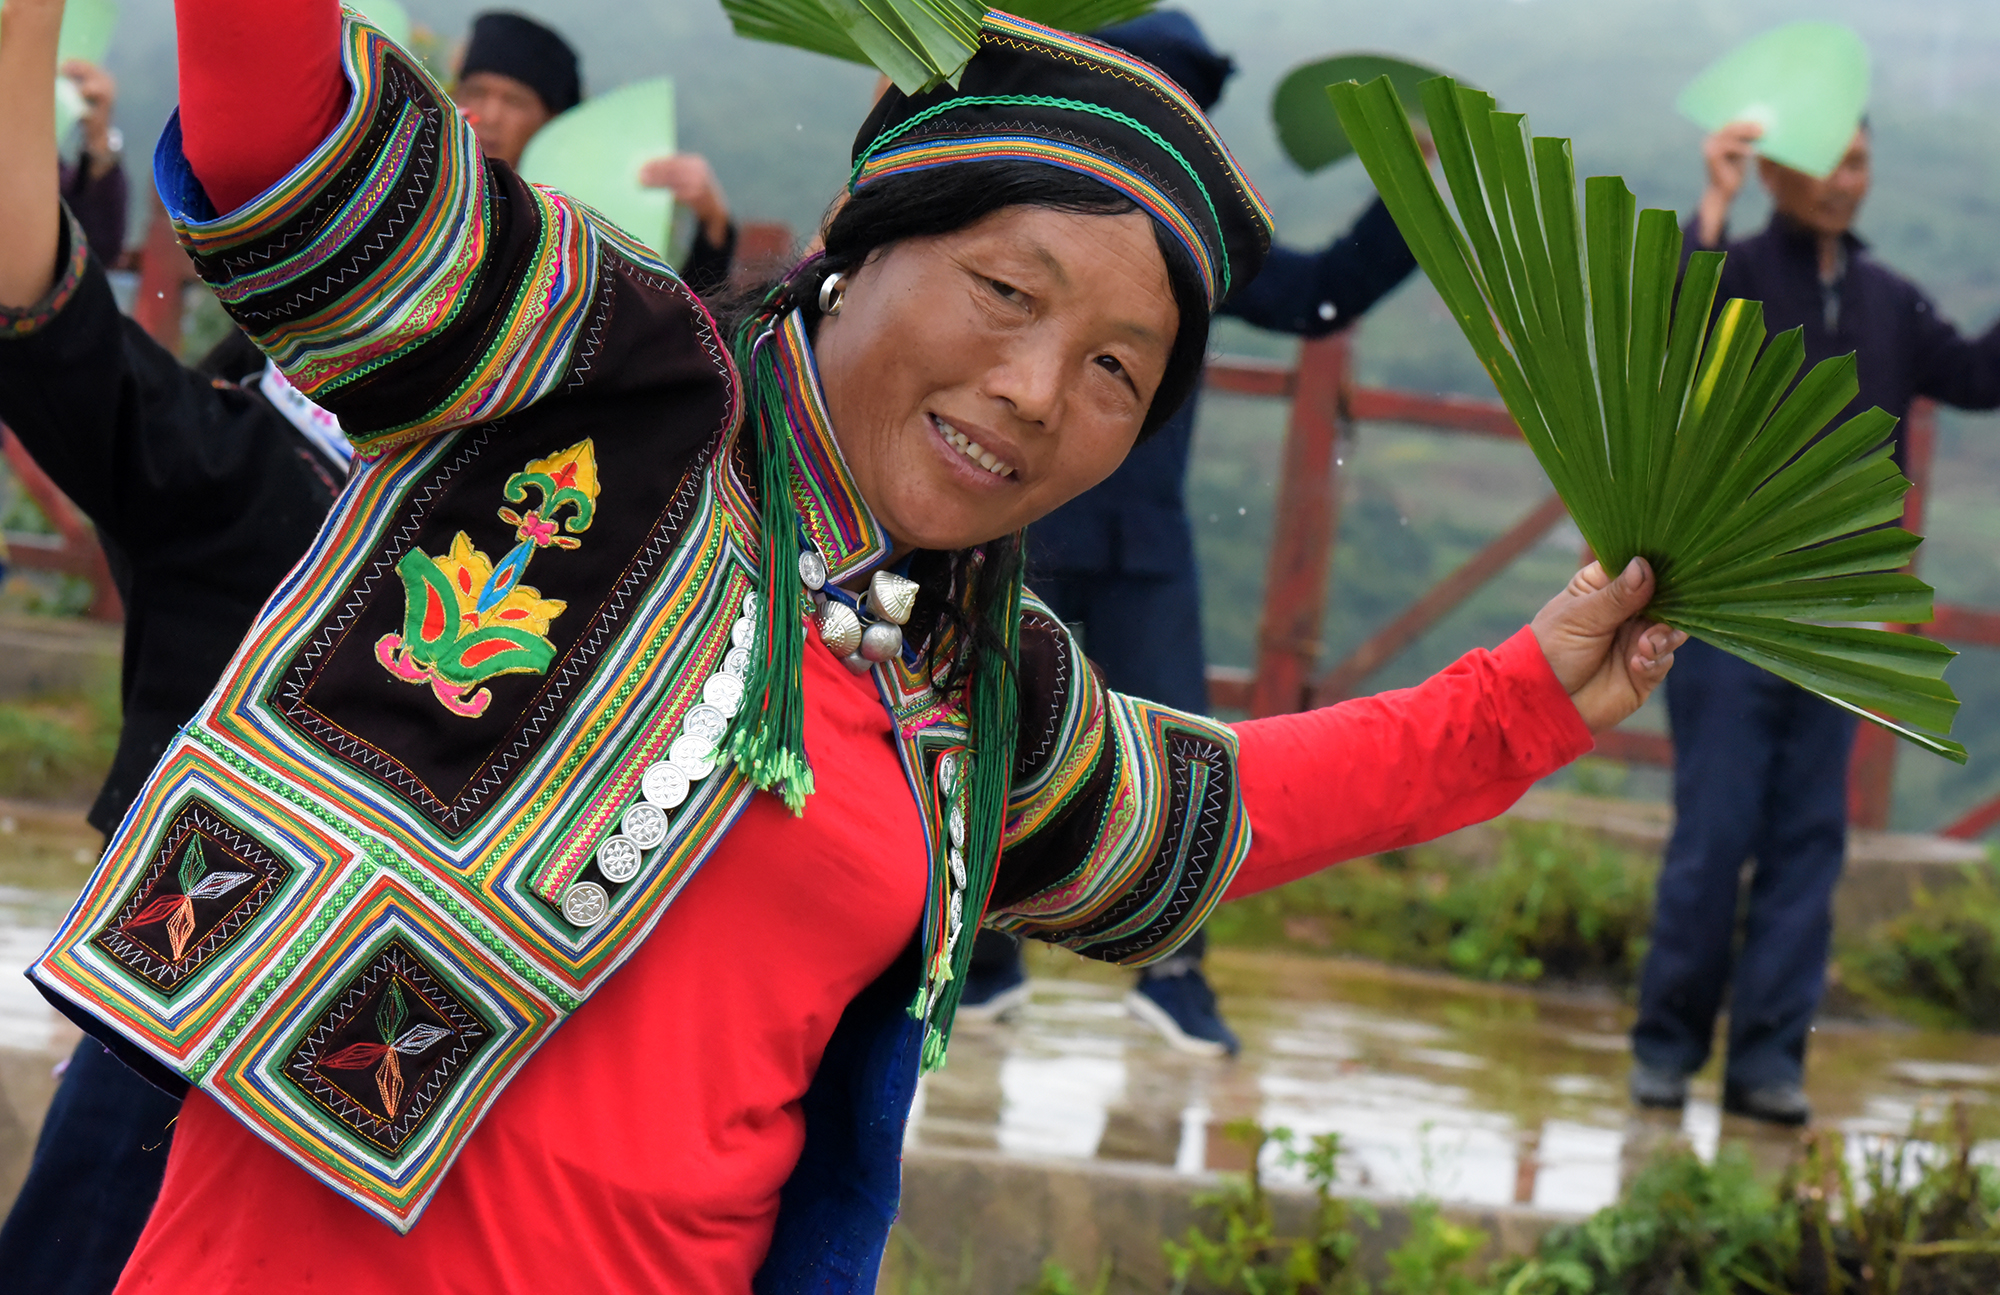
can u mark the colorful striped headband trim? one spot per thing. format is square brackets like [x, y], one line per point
[1216, 290]
[927, 154]
[1000, 22]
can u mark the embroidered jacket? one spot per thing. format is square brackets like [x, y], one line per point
[380, 866]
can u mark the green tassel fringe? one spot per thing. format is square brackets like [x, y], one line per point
[769, 743]
[995, 721]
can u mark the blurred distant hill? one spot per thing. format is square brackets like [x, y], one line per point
[777, 124]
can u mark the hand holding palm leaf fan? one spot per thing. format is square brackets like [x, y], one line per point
[1668, 437]
[916, 43]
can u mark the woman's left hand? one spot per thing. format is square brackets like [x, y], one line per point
[1608, 658]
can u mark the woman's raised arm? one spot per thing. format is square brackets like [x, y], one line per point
[29, 209]
[261, 86]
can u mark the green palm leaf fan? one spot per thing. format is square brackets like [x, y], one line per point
[916, 43]
[1668, 436]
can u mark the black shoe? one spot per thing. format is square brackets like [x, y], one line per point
[1181, 1006]
[1773, 1103]
[1657, 1087]
[991, 994]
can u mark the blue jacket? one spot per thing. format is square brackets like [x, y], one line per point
[1903, 348]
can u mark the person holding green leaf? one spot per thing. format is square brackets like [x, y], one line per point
[517, 75]
[1760, 765]
[577, 867]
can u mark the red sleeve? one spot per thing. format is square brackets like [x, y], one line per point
[1391, 770]
[261, 87]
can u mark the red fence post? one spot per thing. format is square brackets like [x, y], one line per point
[78, 554]
[164, 271]
[1302, 533]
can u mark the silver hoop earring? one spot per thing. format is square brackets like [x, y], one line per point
[832, 294]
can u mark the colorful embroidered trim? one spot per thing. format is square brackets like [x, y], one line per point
[829, 504]
[75, 258]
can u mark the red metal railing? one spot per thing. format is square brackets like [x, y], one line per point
[1326, 402]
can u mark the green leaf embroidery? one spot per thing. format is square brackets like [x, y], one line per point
[391, 1013]
[193, 864]
[1671, 429]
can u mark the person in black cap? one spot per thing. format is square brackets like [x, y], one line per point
[1119, 560]
[517, 75]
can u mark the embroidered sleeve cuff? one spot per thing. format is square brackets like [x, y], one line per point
[372, 273]
[72, 256]
[1543, 729]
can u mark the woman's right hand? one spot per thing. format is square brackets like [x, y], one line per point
[1727, 154]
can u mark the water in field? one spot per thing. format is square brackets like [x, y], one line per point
[1466, 1092]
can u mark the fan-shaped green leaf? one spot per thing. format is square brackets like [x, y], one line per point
[1671, 428]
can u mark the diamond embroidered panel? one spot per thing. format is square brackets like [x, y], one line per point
[395, 1039]
[207, 881]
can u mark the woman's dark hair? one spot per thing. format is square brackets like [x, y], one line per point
[942, 200]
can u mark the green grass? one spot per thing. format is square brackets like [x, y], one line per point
[1939, 962]
[59, 748]
[1553, 901]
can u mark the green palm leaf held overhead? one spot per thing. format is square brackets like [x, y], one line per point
[916, 43]
[1672, 430]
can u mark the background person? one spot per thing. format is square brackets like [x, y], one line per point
[1760, 766]
[517, 75]
[1118, 561]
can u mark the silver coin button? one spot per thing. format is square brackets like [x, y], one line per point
[664, 786]
[750, 603]
[645, 823]
[947, 775]
[692, 755]
[585, 904]
[955, 824]
[705, 722]
[736, 663]
[724, 692]
[744, 632]
[812, 570]
[957, 868]
[618, 859]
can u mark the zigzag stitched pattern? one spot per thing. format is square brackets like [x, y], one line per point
[302, 1067]
[416, 194]
[142, 959]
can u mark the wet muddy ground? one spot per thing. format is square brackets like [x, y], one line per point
[1470, 1093]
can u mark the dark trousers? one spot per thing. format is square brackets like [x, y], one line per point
[1760, 772]
[92, 1182]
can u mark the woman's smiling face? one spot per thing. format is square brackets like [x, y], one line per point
[980, 379]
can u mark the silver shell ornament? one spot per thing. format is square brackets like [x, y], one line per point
[840, 628]
[891, 596]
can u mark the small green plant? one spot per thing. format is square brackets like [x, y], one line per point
[1245, 1252]
[1056, 1280]
[1433, 1259]
[1682, 1226]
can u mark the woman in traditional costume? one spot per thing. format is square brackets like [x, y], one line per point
[693, 705]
